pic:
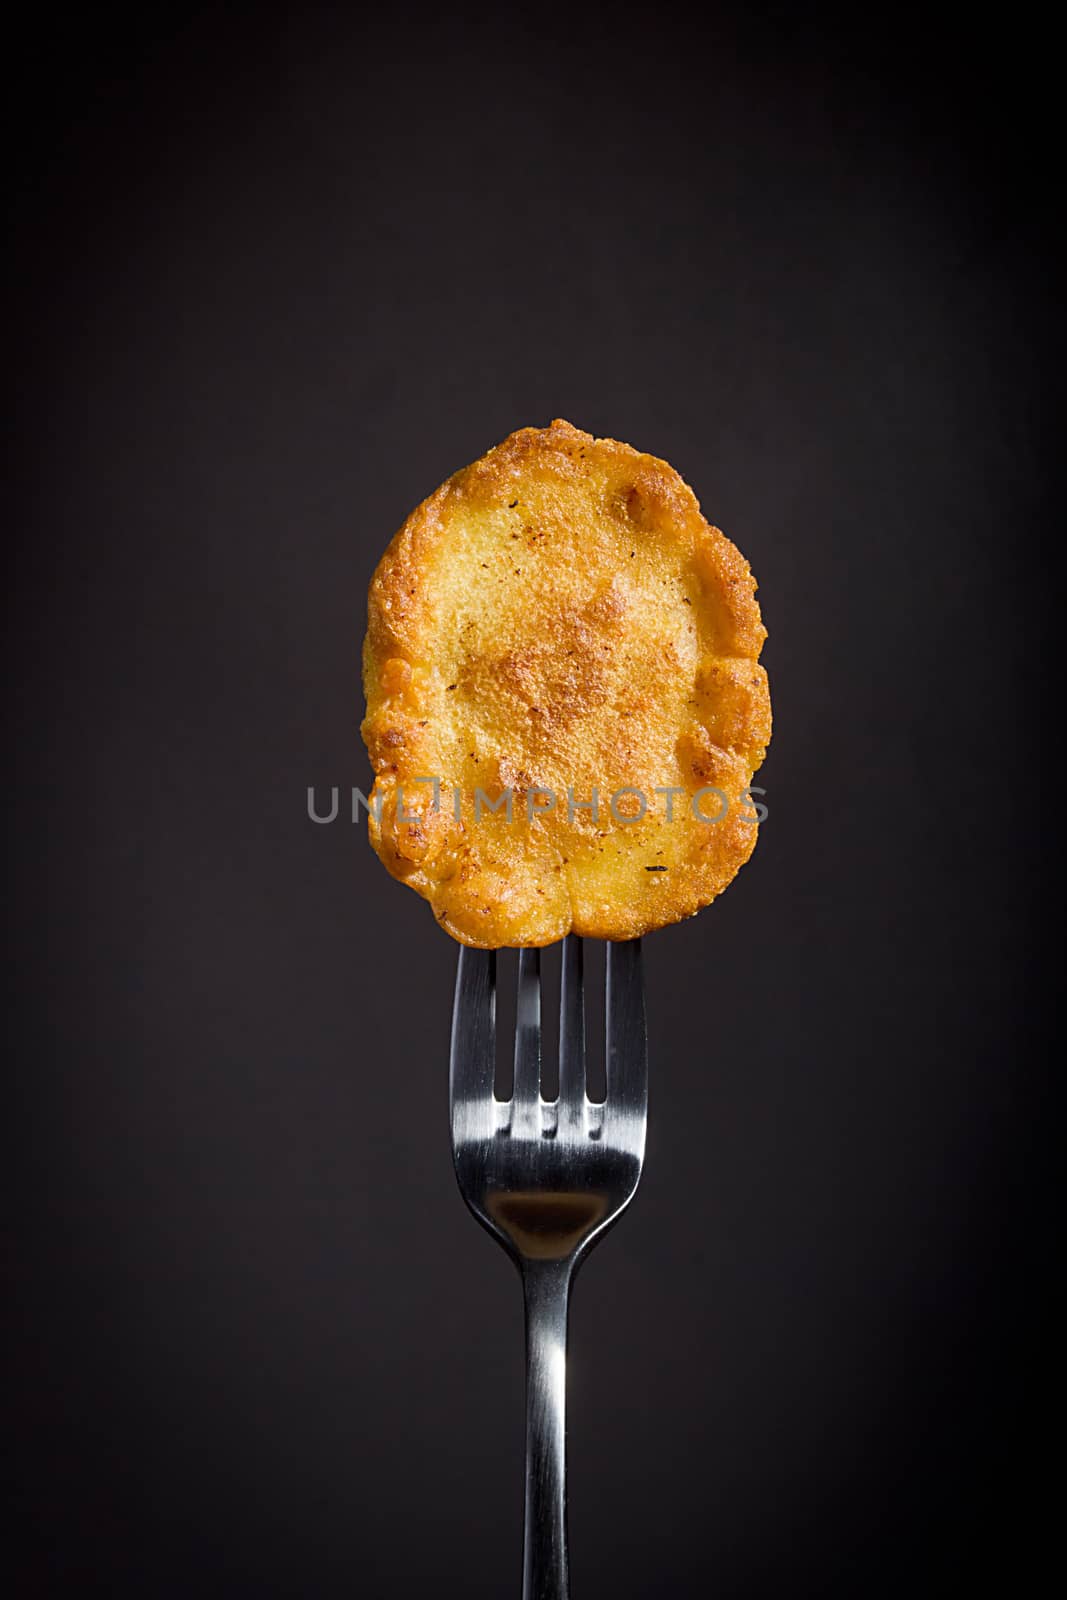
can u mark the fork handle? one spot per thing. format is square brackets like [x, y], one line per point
[546, 1285]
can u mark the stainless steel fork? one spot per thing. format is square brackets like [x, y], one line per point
[547, 1179]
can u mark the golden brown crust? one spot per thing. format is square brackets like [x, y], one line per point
[560, 616]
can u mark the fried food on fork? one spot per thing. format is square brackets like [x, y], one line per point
[559, 619]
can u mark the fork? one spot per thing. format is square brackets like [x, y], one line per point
[548, 1179]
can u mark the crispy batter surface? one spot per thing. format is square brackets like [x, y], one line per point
[560, 617]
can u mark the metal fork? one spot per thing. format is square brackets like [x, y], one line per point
[547, 1179]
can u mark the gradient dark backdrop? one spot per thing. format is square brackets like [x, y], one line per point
[277, 278]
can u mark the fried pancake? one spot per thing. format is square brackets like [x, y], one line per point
[559, 619]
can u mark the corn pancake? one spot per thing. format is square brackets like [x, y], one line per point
[560, 617]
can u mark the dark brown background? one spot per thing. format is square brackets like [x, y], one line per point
[275, 278]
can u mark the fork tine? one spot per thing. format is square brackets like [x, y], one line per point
[473, 1055]
[528, 1028]
[627, 1043]
[571, 1023]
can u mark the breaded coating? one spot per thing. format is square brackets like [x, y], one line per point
[559, 619]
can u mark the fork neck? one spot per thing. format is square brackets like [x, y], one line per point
[546, 1288]
[543, 1280]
